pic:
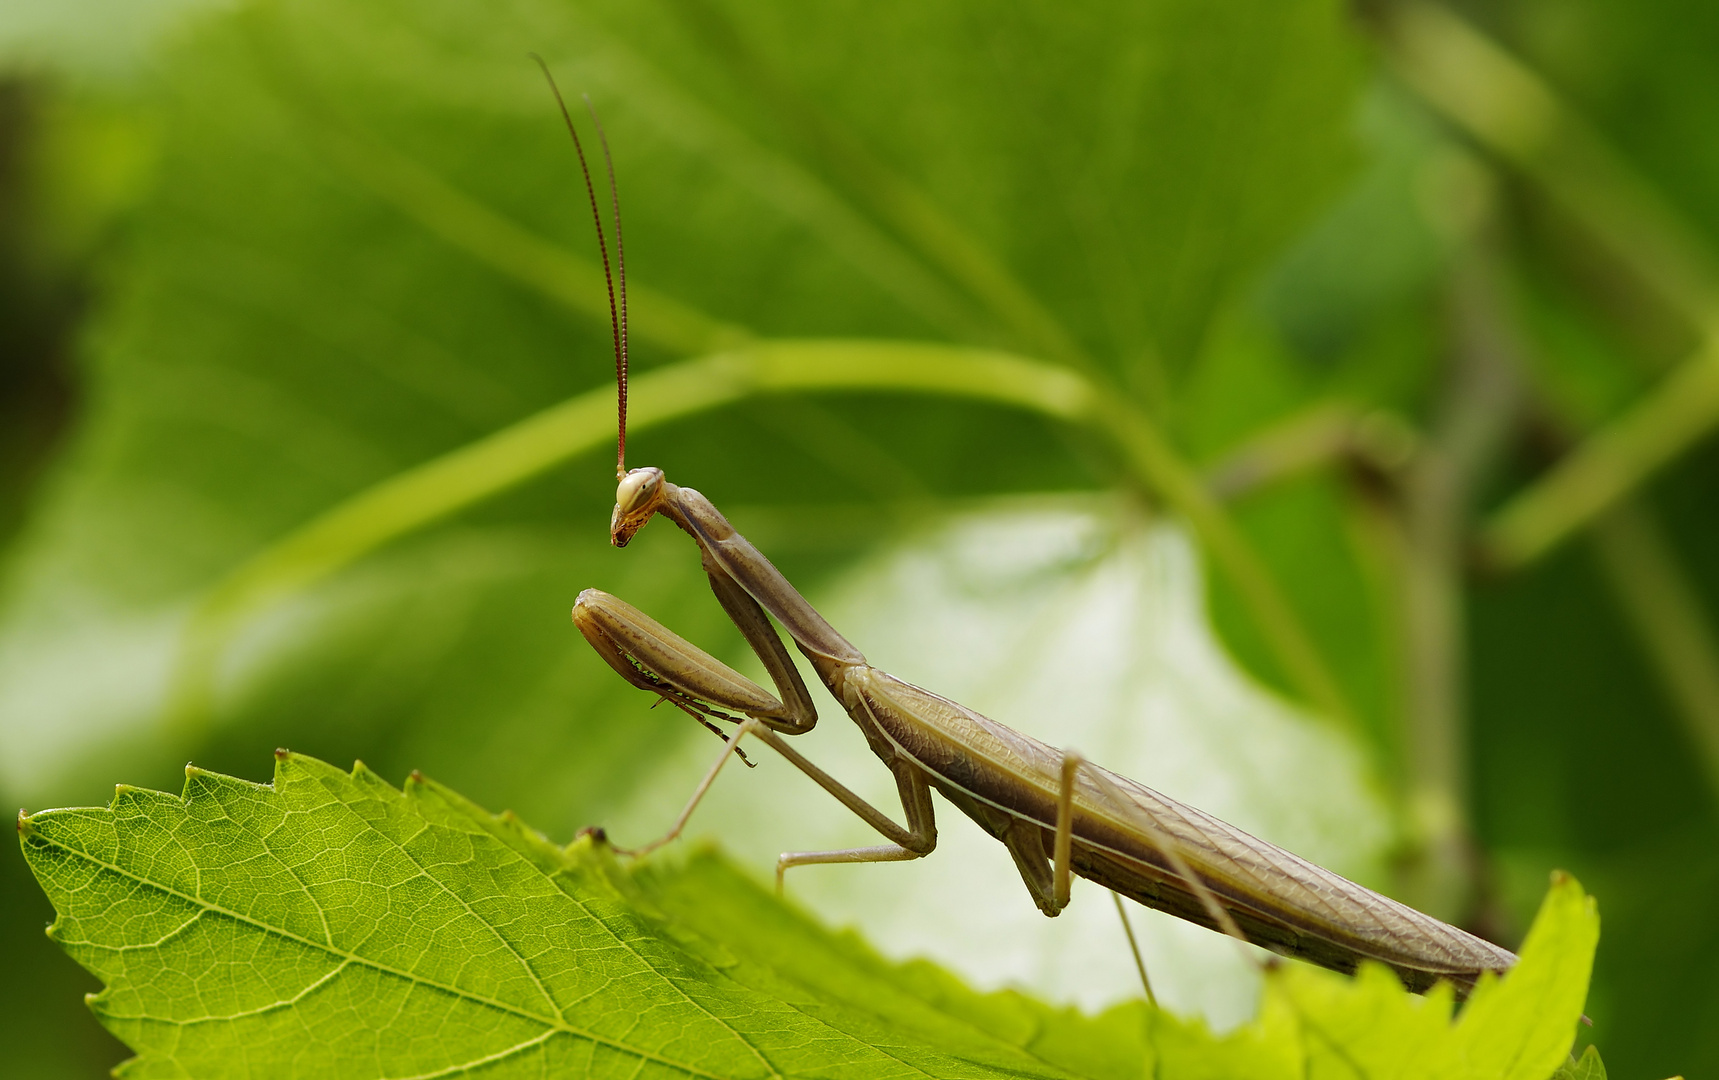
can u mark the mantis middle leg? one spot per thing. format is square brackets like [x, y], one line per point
[1063, 846]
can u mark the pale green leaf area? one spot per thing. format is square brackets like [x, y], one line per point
[328, 924]
[1080, 623]
[93, 39]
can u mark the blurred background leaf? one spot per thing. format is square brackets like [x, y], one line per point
[1352, 281]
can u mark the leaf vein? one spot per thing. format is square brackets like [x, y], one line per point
[501, 1006]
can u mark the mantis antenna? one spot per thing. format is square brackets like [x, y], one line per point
[617, 319]
[617, 311]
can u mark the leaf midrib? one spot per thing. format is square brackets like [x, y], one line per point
[354, 959]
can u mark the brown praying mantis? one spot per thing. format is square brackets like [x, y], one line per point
[1056, 813]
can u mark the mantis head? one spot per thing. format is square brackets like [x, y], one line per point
[637, 497]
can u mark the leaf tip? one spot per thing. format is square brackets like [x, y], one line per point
[592, 835]
[1567, 890]
[591, 838]
[282, 753]
[24, 827]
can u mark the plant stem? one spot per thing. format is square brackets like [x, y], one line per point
[1478, 406]
[1659, 601]
[1314, 438]
[446, 485]
[1507, 108]
[516, 252]
[1609, 464]
[1184, 491]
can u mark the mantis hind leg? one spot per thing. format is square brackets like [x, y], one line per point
[1133, 947]
[1063, 854]
[918, 839]
[879, 853]
[1048, 884]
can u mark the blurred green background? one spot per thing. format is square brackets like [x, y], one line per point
[1406, 319]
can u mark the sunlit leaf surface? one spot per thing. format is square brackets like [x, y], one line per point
[329, 924]
[305, 247]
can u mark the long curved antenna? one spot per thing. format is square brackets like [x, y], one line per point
[617, 317]
[621, 273]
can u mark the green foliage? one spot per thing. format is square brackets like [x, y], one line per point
[340, 459]
[330, 925]
[347, 262]
[353, 241]
[1587, 1067]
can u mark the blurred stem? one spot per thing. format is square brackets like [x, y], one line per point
[1309, 440]
[1478, 407]
[1507, 108]
[1610, 464]
[1329, 433]
[516, 252]
[444, 486]
[1185, 492]
[1510, 110]
[1659, 601]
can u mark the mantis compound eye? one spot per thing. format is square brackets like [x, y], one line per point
[637, 489]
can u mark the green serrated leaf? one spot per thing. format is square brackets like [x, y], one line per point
[1366, 1026]
[1587, 1067]
[330, 925]
[1524, 1025]
[1519, 1027]
[797, 958]
[1267, 1049]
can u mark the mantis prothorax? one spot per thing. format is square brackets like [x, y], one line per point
[1057, 814]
